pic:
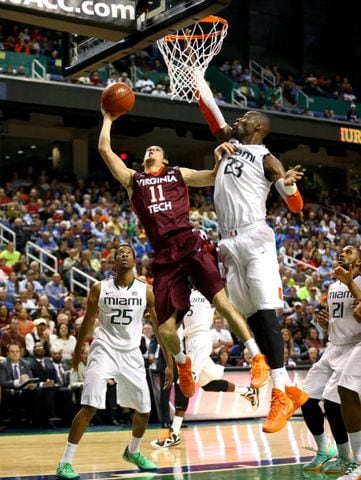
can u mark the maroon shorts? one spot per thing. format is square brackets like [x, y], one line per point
[182, 257]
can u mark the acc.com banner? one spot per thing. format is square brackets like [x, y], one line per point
[122, 13]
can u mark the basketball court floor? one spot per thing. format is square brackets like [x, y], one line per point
[229, 450]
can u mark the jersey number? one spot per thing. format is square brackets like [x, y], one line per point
[121, 317]
[337, 310]
[233, 167]
[154, 193]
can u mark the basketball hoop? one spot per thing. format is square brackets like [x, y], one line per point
[188, 52]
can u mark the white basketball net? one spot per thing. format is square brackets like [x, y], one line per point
[188, 52]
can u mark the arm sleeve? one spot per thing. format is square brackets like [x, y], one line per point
[209, 107]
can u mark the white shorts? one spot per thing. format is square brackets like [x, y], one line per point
[324, 376]
[199, 348]
[126, 368]
[351, 374]
[252, 270]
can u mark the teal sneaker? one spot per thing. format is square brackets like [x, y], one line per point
[320, 459]
[139, 460]
[66, 470]
[339, 466]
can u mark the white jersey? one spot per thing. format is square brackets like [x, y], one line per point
[199, 317]
[121, 314]
[241, 188]
[343, 327]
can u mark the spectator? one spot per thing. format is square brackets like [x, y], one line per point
[11, 336]
[62, 340]
[221, 337]
[352, 114]
[312, 340]
[38, 335]
[18, 394]
[56, 291]
[11, 255]
[223, 357]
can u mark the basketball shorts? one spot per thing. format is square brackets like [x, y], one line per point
[186, 256]
[199, 348]
[351, 373]
[252, 272]
[324, 376]
[126, 368]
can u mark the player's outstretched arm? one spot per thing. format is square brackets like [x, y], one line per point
[211, 111]
[167, 356]
[285, 182]
[87, 324]
[117, 167]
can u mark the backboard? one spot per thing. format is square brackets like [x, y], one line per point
[154, 19]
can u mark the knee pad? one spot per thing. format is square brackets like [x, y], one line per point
[216, 386]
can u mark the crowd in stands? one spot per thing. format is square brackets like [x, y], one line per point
[82, 223]
[269, 80]
[37, 41]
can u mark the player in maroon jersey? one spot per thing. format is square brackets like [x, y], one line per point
[160, 198]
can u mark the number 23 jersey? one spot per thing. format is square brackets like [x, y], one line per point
[241, 188]
[121, 313]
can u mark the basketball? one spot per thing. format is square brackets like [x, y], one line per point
[117, 99]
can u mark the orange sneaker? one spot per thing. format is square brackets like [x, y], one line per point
[281, 410]
[186, 382]
[299, 397]
[260, 371]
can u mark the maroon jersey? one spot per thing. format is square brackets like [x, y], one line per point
[161, 203]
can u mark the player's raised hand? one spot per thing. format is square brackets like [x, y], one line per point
[107, 114]
[293, 175]
[343, 275]
[225, 148]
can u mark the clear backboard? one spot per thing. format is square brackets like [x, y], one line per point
[154, 19]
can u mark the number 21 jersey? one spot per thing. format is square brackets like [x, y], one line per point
[241, 188]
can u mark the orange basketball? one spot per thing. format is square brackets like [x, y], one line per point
[118, 99]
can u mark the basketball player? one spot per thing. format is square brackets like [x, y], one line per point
[247, 247]
[115, 354]
[159, 196]
[349, 386]
[323, 378]
[197, 323]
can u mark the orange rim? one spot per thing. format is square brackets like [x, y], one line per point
[210, 19]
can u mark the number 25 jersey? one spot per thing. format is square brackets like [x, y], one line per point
[241, 188]
[121, 313]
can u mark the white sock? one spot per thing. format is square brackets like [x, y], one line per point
[180, 357]
[240, 390]
[134, 444]
[252, 347]
[69, 453]
[176, 424]
[344, 450]
[322, 442]
[279, 377]
[355, 440]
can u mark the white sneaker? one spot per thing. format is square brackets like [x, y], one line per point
[252, 395]
[170, 439]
